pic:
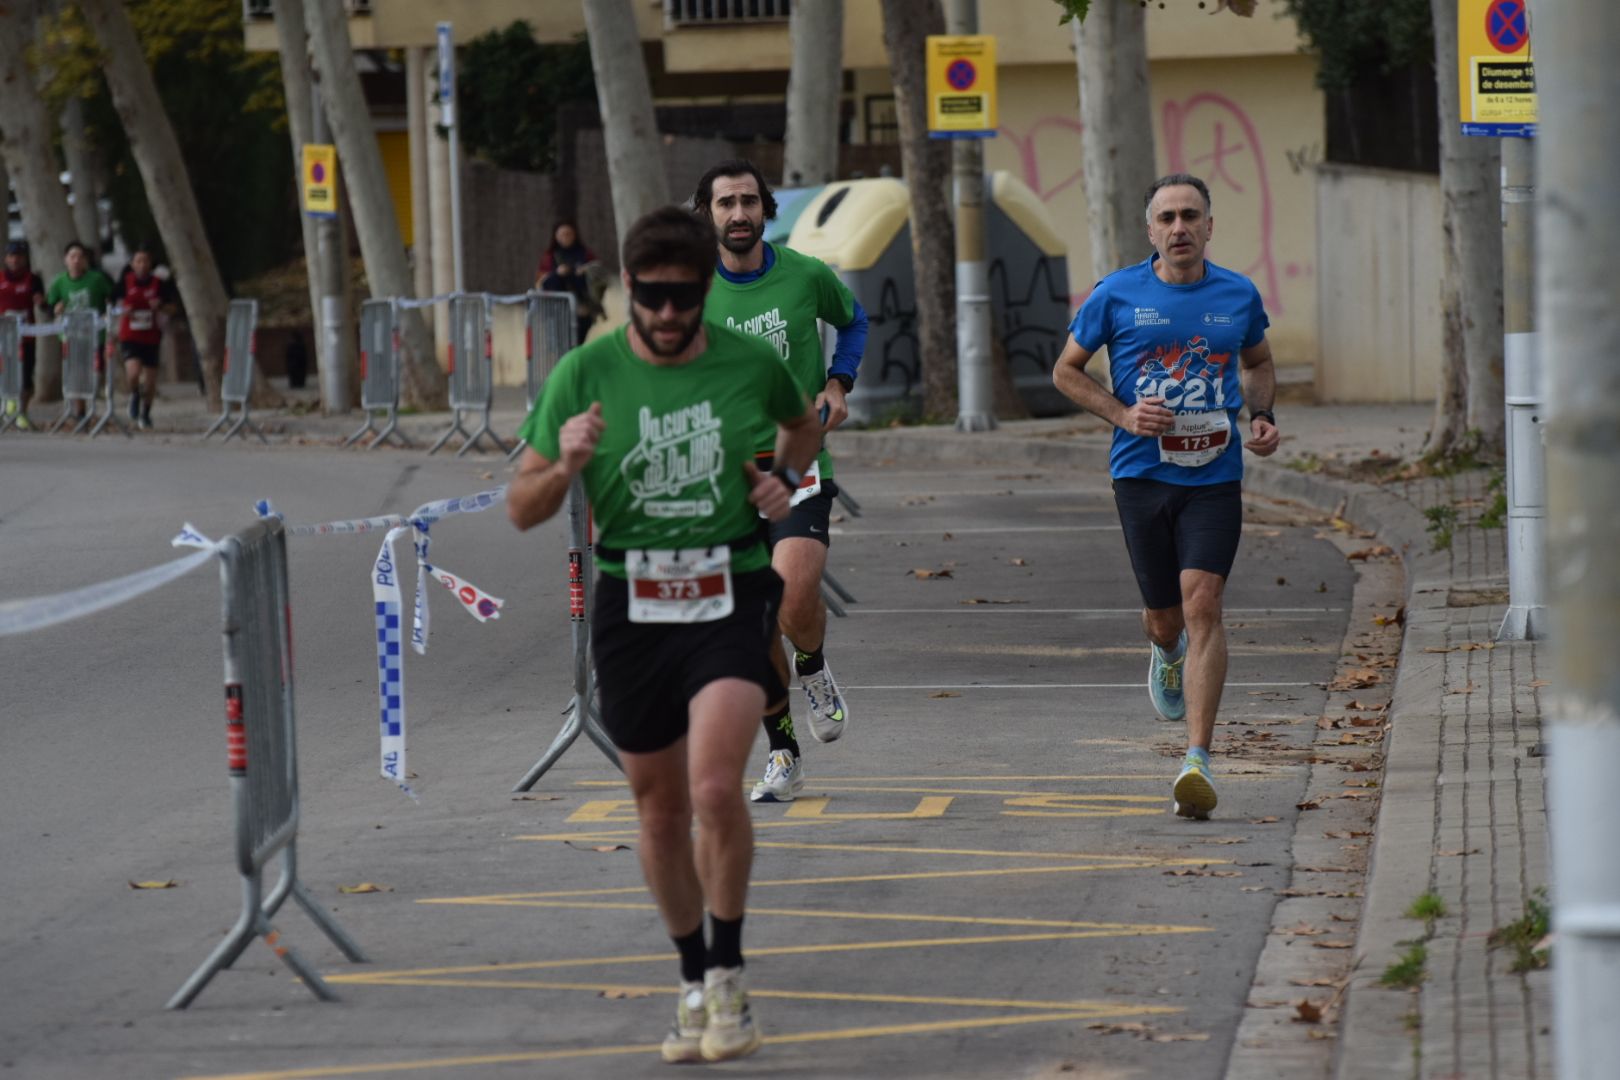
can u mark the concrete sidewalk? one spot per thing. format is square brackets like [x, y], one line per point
[1460, 814]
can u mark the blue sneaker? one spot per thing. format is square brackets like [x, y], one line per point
[1194, 792]
[1164, 680]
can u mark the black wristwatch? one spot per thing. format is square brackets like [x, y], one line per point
[846, 381]
[789, 477]
[1263, 414]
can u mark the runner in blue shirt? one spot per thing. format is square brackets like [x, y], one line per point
[1173, 326]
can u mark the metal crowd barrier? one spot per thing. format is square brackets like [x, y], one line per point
[262, 755]
[832, 590]
[471, 377]
[379, 373]
[11, 372]
[241, 342]
[80, 369]
[107, 368]
[581, 711]
[550, 329]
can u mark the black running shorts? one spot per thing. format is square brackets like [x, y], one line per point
[145, 352]
[1174, 527]
[649, 672]
[808, 520]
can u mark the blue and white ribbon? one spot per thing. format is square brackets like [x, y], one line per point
[385, 593]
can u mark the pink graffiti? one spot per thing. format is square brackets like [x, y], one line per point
[1180, 137]
[1175, 123]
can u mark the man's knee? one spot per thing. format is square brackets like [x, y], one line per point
[714, 797]
[1201, 603]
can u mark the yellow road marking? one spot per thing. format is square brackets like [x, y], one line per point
[830, 783]
[801, 913]
[662, 989]
[1136, 930]
[931, 806]
[606, 810]
[1081, 652]
[834, 1035]
[1127, 862]
[842, 879]
[1083, 805]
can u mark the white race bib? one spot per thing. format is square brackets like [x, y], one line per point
[809, 485]
[140, 319]
[1195, 438]
[687, 585]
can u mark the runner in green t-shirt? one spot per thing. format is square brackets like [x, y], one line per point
[778, 294]
[658, 421]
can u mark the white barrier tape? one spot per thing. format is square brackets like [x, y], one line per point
[419, 617]
[511, 298]
[39, 612]
[43, 329]
[479, 604]
[188, 536]
[390, 662]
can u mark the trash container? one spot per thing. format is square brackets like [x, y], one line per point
[861, 229]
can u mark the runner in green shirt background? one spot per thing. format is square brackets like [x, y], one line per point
[659, 420]
[81, 286]
[778, 294]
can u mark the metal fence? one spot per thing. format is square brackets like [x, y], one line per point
[471, 371]
[80, 337]
[550, 329]
[11, 372]
[261, 752]
[236, 385]
[379, 373]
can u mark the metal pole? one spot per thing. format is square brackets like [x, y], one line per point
[1577, 266]
[329, 270]
[416, 113]
[976, 408]
[447, 110]
[1526, 456]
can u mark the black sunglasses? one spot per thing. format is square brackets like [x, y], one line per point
[653, 295]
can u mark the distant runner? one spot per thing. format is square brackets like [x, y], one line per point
[144, 297]
[22, 292]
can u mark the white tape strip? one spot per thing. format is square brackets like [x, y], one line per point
[39, 612]
[512, 298]
[390, 661]
[479, 604]
[408, 302]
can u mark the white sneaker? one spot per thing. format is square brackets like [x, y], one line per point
[784, 776]
[731, 1032]
[827, 713]
[685, 1039]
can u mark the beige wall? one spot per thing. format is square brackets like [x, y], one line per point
[1379, 232]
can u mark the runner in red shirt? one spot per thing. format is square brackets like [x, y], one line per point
[22, 291]
[143, 296]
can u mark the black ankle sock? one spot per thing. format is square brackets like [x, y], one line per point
[808, 663]
[693, 953]
[725, 948]
[779, 730]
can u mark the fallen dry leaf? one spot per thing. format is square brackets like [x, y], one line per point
[1356, 679]
[1018, 562]
[1345, 834]
[1437, 649]
[169, 884]
[947, 536]
[923, 575]
[1251, 888]
[1452, 854]
[1333, 944]
[1469, 689]
[1536, 684]
[1335, 983]
[1376, 552]
[1325, 869]
[1358, 706]
[981, 600]
[624, 995]
[1383, 620]
[535, 798]
[1221, 840]
[1328, 893]
[1322, 1033]
[1181, 1036]
[1309, 804]
[1365, 721]
[1187, 871]
[1263, 820]
[1301, 930]
[1307, 1011]
[596, 847]
[944, 694]
[364, 887]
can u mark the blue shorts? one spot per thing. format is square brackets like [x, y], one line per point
[1174, 527]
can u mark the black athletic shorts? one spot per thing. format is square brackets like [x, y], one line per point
[649, 672]
[28, 364]
[145, 352]
[808, 520]
[1174, 527]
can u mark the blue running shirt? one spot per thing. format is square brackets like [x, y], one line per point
[1180, 342]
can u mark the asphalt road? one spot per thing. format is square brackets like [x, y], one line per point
[980, 880]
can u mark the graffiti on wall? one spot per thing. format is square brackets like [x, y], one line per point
[1207, 134]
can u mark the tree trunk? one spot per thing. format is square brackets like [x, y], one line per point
[30, 161]
[85, 172]
[927, 166]
[381, 245]
[1471, 196]
[294, 47]
[629, 127]
[1116, 131]
[168, 190]
[814, 93]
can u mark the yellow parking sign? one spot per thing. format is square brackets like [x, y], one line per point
[961, 86]
[320, 180]
[1495, 72]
